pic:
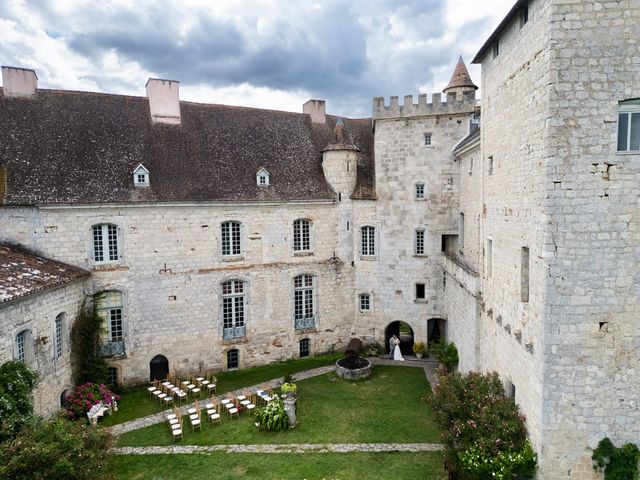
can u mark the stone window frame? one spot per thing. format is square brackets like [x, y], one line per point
[419, 244]
[236, 331]
[106, 243]
[111, 317]
[24, 347]
[303, 295]
[232, 359]
[368, 242]
[298, 237]
[629, 108]
[236, 246]
[304, 347]
[423, 298]
[60, 337]
[420, 191]
[428, 139]
[365, 299]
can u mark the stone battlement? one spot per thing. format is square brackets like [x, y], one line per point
[453, 104]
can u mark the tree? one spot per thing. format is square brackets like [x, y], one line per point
[16, 383]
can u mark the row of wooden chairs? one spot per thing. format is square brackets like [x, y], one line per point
[175, 423]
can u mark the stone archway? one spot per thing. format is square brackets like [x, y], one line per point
[158, 368]
[404, 332]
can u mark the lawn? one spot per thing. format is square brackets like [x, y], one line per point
[137, 403]
[386, 408]
[272, 466]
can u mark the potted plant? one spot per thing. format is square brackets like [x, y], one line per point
[289, 389]
[418, 349]
[448, 356]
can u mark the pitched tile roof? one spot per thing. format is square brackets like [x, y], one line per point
[460, 77]
[75, 147]
[24, 273]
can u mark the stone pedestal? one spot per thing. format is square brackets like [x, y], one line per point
[290, 410]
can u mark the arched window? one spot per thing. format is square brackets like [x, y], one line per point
[105, 243]
[302, 235]
[304, 348]
[233, 311]
[304, 301]
[63, 398]
[230, 232]
[110, 309]
[59, 335]
[233, 359]
[24, 347]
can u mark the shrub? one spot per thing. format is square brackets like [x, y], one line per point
[16, 383]
[87, 363]
[272, 417]
[418, 347]
[449, 355]
[480, 424]
[57, 450]
[617, 463]
[289, 388]
[83, 397]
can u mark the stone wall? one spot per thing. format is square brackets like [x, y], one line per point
[37, 313]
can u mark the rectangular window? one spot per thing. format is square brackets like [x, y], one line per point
[427, 139]
[496, 48]
[524, 274]
[301, 236]
[419, 191]
[524, 15]
[490, 168]
[105, 243]
[304, 348]
[21, 352]
[419, 242]
[471, 166]
[231, 238]
[420, 291]
[489, 257]
[233, 359]
[58, 346]
[629, 131]
[365, 302]
[303, 302]
[368, 241]
[112, 376]
[142, 178]
[109, 308]
[461, 230]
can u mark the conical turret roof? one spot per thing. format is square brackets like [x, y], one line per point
[460, 77]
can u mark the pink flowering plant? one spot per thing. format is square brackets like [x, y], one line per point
[85, 396]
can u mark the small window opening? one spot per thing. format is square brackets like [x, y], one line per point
[524, 15]
[420, 291]
[419, 191]
[496, 48]
[490, 169]
[233, 359]
[112, 376]
[524, 274]
[427, 139]
[365, 302]
[304, 348]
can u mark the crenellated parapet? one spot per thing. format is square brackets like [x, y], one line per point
[452, 104]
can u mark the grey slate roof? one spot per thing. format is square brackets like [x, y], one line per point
[66, 147]
[23, 273]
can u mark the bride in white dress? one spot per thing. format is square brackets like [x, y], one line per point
[397, 355]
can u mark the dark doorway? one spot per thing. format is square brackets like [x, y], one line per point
[404, 332]
[159, 368]
[435, 330]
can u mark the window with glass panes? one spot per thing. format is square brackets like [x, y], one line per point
[365, 302]
[301, 235]
[304, 348]
[419, 191]
[231, 238]
[109, 308]
[629, 126]
[112, 376]
[59, 338]
[368, 240]
[419, 242]
[303, 296]
[233, 293]
[21, 350]
[233, 359]
[105, 243]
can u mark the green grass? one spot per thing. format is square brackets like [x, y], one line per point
[138, 403]
[385, 408]
[272, 466]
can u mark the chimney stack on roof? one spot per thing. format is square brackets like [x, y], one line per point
[164, 101]
[315, 108]
[19, 82]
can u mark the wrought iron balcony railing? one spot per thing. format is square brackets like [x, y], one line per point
[305, 323]
[109, 349]
[230, 333]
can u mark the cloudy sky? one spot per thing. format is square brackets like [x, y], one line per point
[264, 53]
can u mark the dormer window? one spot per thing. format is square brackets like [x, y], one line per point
[141, 176]
[262, 177]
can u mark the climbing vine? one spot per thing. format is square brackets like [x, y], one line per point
[617, 463]
[87, 364]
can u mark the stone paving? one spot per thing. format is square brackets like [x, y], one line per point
[429, 367]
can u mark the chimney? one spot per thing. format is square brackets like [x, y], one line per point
[19, 82]
[164, 101]
[315, 108]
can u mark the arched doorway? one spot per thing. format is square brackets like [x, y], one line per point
[159, 368]
[436, 330]
[404, 332]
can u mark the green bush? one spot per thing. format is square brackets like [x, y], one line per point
[83, 397]
[449, 355]
[617, 463]
[479, 424]
[57, 450]
[16, 383]
[272, 417]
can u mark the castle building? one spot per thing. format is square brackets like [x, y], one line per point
[218, 237]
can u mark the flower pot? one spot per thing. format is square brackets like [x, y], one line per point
[419, 354]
